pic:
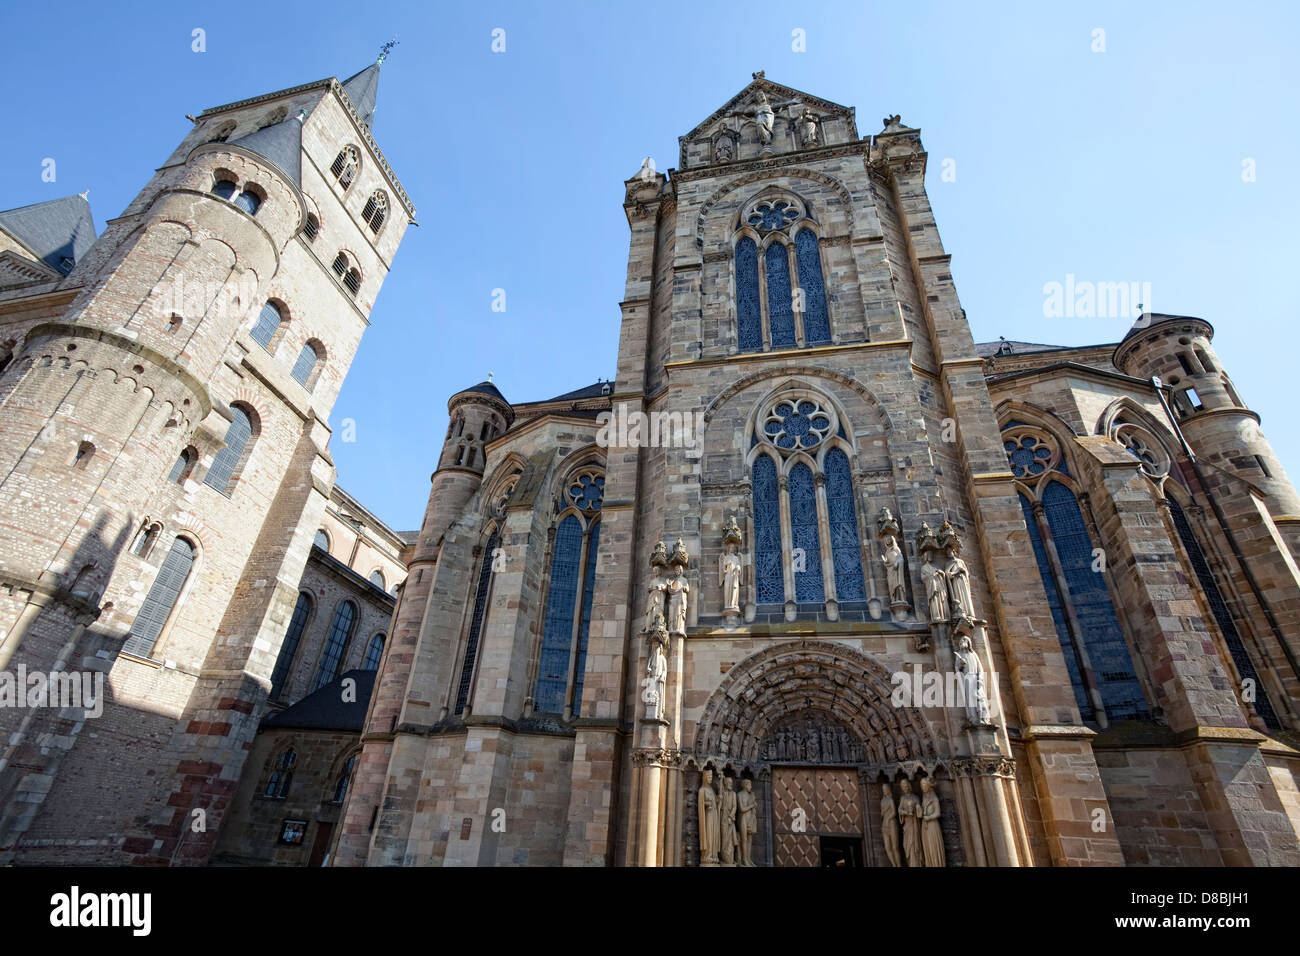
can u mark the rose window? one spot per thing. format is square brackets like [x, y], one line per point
[587, 491]
[1028, 455]
[767, 216]
[1144, 450]
[796, 424]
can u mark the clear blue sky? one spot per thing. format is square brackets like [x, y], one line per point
[1117, 166]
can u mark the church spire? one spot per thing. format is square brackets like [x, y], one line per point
[363, 87]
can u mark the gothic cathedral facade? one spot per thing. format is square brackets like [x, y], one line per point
[818, 580]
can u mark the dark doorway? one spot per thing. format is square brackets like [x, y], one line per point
[320, 848]
[841, 851]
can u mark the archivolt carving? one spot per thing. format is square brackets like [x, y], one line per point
[762, 692]
[777, 173]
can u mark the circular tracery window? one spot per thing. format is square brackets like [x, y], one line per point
[797, 423]
[587, 490]
[1142, 447]
[1030, 452]
[769, 214]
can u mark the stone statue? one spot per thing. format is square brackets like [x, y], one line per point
[729, 577]
[931, 830]
[678, 590]
[936, 589]
[727, 824]
[889, 824]
[764, 116]
[746, 820]
[974, 689]
[892, 557]
[654, 694]
[909, 814]
[958, 576]
[707, 807]
[808, 128]
[722, 150]
[654, 607]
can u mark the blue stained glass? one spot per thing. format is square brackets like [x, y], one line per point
[557, 633]
[769, 216]
[476, 623]
[843, 517]
[1121, 694]
[588, 492]
[584, 624]
[1219, 608]
[780, 305]
[1058, 612]
[749, 317]
[339, 631]
[809, 587]
[816, 320]
[289, 647]
[374, 653]
[768, 574]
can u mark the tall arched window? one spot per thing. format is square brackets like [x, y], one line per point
[798, 436]
[343, 780]
[289, 647]
[1222, 616]
[183, 466]
[772, 311]
[1096, 654]
[375, 211]
[476, 623]
[161, 599]
[305, 366]
[281, 779]
[268, 323]
[569, 597]
[374, 653]
[340, 631]
[345, 166]
[239, 436]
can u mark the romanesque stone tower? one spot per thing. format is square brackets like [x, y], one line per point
[689, 594]
[164, 426]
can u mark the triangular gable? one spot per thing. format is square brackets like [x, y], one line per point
[776, 93]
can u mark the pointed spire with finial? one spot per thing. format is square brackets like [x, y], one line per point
[363, 87]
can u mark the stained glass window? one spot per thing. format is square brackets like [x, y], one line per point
[476, 623]
[289, 647]
[161, 599]
[809, 587]
[816, 320]
[1121, 694]
[768, 216]
[374, 652]
[239, 433]
[267, 323]
[749, 319]
[1058, 613]
[780, 305]
[843, 517]
[1222, 616]
[768, 575]
[584, 624]
[340, 629]
[557, 634]
[797, 424]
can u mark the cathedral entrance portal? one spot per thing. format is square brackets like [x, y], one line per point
[816, 817]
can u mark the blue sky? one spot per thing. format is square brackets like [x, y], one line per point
[1122, 165]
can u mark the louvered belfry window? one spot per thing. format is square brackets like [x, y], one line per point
[238, 435]
[345, 166]
[161, 599]
[375, 211]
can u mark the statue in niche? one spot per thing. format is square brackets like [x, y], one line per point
[892, 557]
[974, 687]
[764, 116]
[808, 128]
[889, 824]
[727, 824]
[931, 830]
[746, 820]
[909, 814]
[936, 589]
[958, 576]
[707, 808]
[654, 693]
[722, 150]
[729, 567]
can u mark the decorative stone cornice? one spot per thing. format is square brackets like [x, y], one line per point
[657, 757]
[983, 766]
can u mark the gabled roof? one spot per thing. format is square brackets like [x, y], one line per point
[775, 92]
[325, 709]
[362, 88]
[59, 231]
[595, 390]
[281, 143]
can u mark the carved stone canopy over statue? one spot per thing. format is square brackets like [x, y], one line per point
[729, 566]
[886, 523]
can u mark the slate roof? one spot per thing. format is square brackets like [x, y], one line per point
[55, 230]
[486, 388]
[325, 709]
[362, 89]
[587, 391]
[281, 144]
[989, 349]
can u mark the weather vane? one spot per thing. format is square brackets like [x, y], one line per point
[383, 51]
